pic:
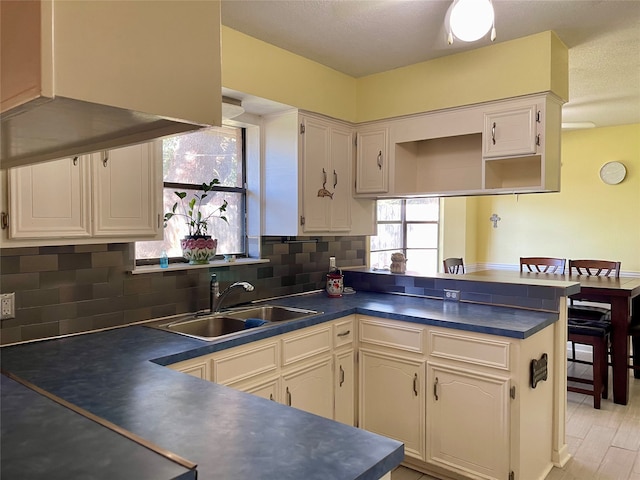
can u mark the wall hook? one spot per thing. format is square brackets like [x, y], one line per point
[495, 219]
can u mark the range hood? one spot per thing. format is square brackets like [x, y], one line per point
[80, 77]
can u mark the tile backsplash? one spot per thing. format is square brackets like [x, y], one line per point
[69, 289]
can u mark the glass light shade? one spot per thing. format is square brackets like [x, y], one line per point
[470, 20]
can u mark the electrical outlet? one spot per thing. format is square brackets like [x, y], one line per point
[8, 305]
[452, 295]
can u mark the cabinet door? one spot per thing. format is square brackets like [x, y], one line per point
[340, 178]
[344, 388]
[316, 175]
[392, 399]
[261, 386]
[50, 200]
[468, 421]
[510, 132]
[310, 388]
[372, 164]
[126, 189]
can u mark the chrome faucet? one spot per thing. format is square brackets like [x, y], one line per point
[216, 296]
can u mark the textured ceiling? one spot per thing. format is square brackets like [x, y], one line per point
[361, 37]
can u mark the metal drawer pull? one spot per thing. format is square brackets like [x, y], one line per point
[75, 161]
[288, 397]
[335, 178]
[271, 397]
[341, 375]
[380, 160]
[415, 384]
[493, 133]
[435, 389]
[344, 334]
[105, 159]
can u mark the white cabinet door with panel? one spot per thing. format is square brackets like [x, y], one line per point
[468, 421]
[392, 399]
[511, 132]
[50, 199]
[372, 165]
[344, 387]
[125, 191]
[309, 387]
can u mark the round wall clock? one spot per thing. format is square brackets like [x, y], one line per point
[613, 173]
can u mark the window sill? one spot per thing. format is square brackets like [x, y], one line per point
[138, 270]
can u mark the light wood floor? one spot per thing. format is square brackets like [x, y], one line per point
[604, 444]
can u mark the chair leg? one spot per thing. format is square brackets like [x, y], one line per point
[598, 353]
[573, 351]
[605, 370]
[635, 345]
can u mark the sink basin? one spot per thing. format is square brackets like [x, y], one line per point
[271, 313]
[214, 326]
[206, 327]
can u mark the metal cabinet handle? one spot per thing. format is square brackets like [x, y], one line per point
[324, 176]
[415, 384]
[341, 375]
[538, 140]
[380, 160]
[493, 133]
[105, 159]
[288, 397]
[4, 220]
[344, 334]
[75, 161]
[435, 389]
[335, 179]
[271, 397]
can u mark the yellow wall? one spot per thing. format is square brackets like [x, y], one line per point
[586, 219]
[532, 64]
[258, 68]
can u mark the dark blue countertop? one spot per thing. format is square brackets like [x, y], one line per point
[118, 375]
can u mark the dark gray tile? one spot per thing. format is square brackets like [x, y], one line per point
[10, 335]
[40, 330]
[38, 263]
[107, 259]
[38, 298]
[74, 261]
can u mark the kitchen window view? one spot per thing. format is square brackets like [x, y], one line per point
[188, 161]
[409, 226]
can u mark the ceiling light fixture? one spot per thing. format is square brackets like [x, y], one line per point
[470, 20]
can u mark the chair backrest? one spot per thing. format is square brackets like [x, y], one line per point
[453, 265]
[594, 268]
[542, 264]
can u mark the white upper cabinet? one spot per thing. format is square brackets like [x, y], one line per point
[308, 178]
[110, 195]
[510, 132]
[81, 77]
[372, 165]
[50, 199]
[505, 146]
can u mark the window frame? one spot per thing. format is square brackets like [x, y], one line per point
[216, 188]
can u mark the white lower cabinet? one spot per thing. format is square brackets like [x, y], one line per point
[344, 387]
[392, 399]
[310, 387]
[468, 421]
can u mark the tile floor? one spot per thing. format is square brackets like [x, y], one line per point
[604, 444]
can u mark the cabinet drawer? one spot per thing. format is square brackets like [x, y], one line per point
[305, 345]
[394, 335]
[343, 333]
[469, 349]
[245, 362]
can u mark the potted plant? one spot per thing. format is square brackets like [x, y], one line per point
[197, 247]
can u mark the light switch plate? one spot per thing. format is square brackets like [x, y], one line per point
[8, 305]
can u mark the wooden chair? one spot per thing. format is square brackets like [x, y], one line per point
[453, 265]
[597, 335]
[591, 325]
[542, 264]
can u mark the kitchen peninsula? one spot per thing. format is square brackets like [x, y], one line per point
[120, 376]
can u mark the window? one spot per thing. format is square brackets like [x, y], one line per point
[409, 226]
[189, 160]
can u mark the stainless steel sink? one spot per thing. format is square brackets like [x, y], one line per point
[211, 327]
[207, 327]
[271, 313]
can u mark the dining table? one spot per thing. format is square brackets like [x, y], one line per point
[622, 293]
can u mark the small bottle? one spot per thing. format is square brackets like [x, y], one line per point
[332, 265]
[164, 260]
